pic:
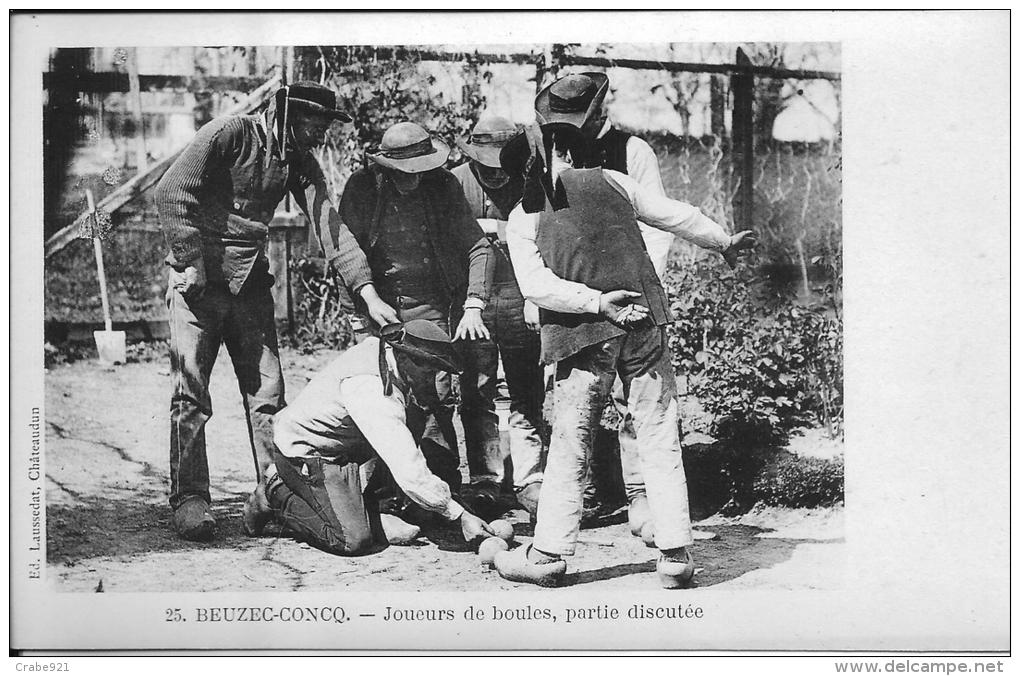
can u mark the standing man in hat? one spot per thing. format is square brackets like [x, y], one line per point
[428, 257]
[513, 324]
[215, 204]
[579, 100]
[367, 406]
[604, 316]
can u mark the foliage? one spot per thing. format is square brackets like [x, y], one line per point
[763, 363]
[793, 481]
[321, 309]
[382, 92]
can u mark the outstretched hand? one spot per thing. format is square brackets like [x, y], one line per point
[471, 326]
[617, 306]
[740, 243]
[473, 528]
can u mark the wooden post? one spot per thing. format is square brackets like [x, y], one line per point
[135, 96]
[718, 106]
[743, 144]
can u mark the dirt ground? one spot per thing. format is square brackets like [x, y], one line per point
[108, 522]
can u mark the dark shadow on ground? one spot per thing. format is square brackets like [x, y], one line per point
[109, 527]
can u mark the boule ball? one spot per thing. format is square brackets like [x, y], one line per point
[648, 534]
[489, 548]
[502, 529]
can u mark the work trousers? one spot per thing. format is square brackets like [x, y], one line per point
[520, 350]
[245, 324]
[583, 382]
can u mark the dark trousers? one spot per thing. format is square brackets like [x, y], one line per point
[439, 438]
[520, 349]
[245, 324]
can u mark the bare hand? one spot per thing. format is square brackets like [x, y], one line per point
[191, 281]
[471, 326]
[380, 312]
[474, 528]
[741, 242]
[531, 319]
[616, 307]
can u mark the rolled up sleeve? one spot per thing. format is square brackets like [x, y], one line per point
[383, 422]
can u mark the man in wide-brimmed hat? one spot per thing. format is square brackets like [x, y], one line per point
[513, 324]
[427, 255]
[580, 100]
[353, 414]
[604, 316]
[215, 203]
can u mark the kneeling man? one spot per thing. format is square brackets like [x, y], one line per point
[359, 410]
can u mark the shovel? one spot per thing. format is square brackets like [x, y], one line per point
[111, 344]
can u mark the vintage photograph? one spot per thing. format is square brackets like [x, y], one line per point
[510, 331]
[447, 318]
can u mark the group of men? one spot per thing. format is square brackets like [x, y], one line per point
[546, 247]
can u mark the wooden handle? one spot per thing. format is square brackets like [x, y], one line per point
[102, 283]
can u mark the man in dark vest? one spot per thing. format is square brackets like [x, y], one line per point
[579, 100]
[215, 203]
[428, 257]
[366, 407]
[513, 324]
[604, 316]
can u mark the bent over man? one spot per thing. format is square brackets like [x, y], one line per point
[604, 315]
[215, 204]
[367, 405]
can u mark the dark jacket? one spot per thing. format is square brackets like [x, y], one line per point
[216, 200]
[459, 244]
[595, 241]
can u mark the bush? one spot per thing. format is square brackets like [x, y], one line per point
[792, 481]
[761, 362]
[321, 309]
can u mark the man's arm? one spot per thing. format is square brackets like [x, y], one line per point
[678, 218]
[538, 283]
[338, 244]
[383, 422]
[178, 193]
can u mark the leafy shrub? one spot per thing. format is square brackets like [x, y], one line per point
[320, 309]
[761, 362]
[793, 481]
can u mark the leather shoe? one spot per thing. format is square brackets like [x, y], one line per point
[193, 521]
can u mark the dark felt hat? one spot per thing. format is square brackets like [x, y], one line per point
[572, 99]
[487, 138]
[409, 148]
[312, 98]
[423, 341]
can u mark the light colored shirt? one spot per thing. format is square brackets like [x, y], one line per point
[540, 285]
[643, 167]
[382, 419]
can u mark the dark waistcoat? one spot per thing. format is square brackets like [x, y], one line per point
[595, 241]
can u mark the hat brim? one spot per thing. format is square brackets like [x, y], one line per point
[487, 155]
[545, 115]
[415, 165]
[514, 155]
[310, 108]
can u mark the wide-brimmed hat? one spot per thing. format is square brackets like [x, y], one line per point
[424, 342]
[572, 99]
[311, 98]
[533, 141]
[409, 148]
[487, 138]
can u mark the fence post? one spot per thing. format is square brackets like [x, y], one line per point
[742, 83]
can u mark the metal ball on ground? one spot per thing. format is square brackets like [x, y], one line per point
[489, 548]
[502, 529]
